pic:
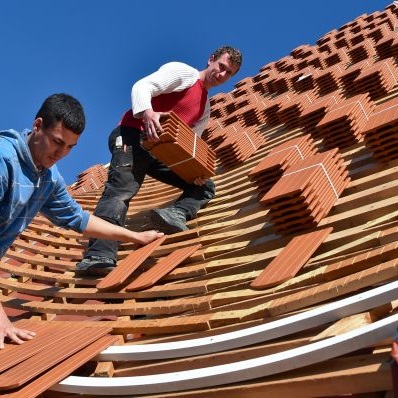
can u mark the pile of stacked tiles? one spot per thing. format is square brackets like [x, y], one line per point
[326, 81]
[182, 150]
[90, 180]
[377, 79]
[269, 170]
[381, 131]
[388, 46]
[236, 148]
[306, 192]
[217, 137]
[290, 111]
[315, 112]
[342, 126]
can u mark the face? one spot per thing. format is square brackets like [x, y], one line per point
[219, 71]
[50, 145]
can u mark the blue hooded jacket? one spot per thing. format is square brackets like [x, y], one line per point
[24, 192]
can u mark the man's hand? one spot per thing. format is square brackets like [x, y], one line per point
[148, 236]
[7, 329]
[199, 181]
[152, 124]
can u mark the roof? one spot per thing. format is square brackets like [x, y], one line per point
[286, 280]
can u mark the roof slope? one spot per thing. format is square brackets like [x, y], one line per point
[284, 284]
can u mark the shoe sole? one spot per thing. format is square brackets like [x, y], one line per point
[97, 269]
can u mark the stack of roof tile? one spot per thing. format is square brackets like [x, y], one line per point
[90, 180]
[347, 78]
[290, 111]
[279, 159]
[381, 131]
[270, 110]
[306, 192]
[342, 126]
[218, 136]
[313, 113]
[237, 148]
[335, 57]
[182, 150]
[388, 46]
[377, 79]
[327, 81]
[362, 51]
[304, 80]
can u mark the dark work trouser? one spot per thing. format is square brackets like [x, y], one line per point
[129, 165]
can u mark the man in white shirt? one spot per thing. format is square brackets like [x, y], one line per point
[175, 87]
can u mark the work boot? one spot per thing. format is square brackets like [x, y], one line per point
[95, 266]
[170, 220]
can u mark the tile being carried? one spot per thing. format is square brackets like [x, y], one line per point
[182, 150]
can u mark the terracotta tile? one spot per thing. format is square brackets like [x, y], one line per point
[293, 257]
[162, 268]
[128, 265]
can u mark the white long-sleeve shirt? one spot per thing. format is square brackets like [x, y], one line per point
[169, 78]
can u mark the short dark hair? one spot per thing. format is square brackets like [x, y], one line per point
[234, 54]
[62, 108]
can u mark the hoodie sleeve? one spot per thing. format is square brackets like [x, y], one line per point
[3, 178]
[63, 210]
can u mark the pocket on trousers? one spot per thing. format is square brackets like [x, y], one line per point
[122, 159]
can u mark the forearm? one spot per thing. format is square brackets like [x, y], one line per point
[99, 228]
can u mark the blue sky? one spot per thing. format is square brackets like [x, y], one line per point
[96, 49]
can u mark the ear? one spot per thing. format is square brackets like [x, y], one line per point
[37, 124]
[211, 59]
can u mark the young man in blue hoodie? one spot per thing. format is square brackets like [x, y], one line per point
[30, 183]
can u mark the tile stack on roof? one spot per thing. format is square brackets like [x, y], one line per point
[182, 150]
[306, 192]
[388, 46]
[327, 81]
[351, 73]
[217, 137]
[364, 50]
[90, 180]
[377, 79]
[342, 126]
[237, 148]
[314, 113]
[279, 159]
[381, 131]
[290, 111]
